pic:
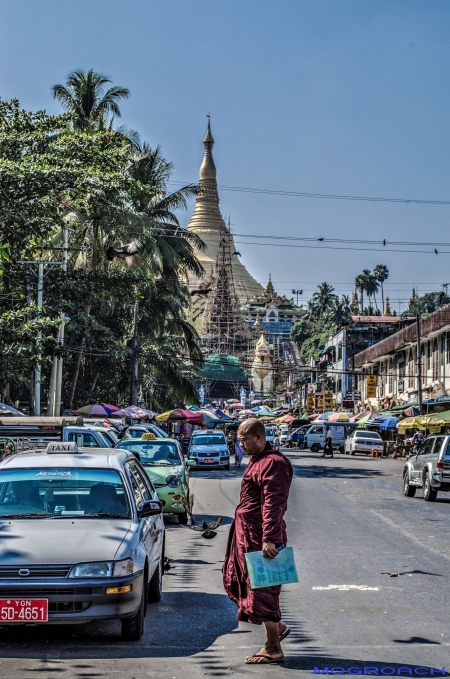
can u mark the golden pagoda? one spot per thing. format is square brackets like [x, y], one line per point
[207, 222]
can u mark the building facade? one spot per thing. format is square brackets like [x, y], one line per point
[394, 361]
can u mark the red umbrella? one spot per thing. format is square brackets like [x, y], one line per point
[180, 415]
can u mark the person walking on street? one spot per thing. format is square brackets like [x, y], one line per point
[259, 525]
[238, 453]
[328, 447]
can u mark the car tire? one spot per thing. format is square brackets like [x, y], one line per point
[183, 518]
[342, 450]
[133, 628]
[429, 494]
[315, 448]
[408, 490]
[155, 584]
[352, 452]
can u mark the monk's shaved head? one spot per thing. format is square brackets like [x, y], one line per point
[253, 427]
[252, 436]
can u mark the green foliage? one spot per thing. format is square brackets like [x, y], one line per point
[75, 170]
[428, 303]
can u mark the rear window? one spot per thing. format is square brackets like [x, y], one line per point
[153, 452]
[367, 435]
[212, 440]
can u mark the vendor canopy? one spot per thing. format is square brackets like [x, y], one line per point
[223, 368]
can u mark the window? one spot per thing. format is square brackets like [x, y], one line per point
[435, 359]
[64, 492]
[448, 347]
[83, 440]
[136, 490]
[391, 377]
[438, 445]
[443, 349]
[145, 493]
[426, 450]
[411, 371]
[339, 357]
[428, 355]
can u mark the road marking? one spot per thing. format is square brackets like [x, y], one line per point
[346, 588]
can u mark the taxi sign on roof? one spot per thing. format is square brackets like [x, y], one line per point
[148, 436]
[62, 447]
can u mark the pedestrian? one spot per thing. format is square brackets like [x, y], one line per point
[328, 447]
[238, 453]
[259, 525]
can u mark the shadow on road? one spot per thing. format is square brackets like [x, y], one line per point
[314, 471]
[182, 624]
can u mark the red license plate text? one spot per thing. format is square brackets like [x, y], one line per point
[23, 610]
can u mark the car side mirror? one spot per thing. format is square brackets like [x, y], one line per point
[191, 463]
[150, 508]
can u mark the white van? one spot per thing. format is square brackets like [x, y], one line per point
[315, 436]
[271, 437]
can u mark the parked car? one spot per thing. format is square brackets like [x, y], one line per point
[88, 538]
[283, 433]
[428, 468]
[363, 442]
[209, 448]
[167, 469]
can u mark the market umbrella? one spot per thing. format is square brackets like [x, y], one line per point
[208, 416]
[359, 416]
[266, 418]
[255, 402]
[444, 416]
[100, 409]
[325, 415]
[135, 412]
[238, 405]
[304, 419]
[339, 417]
[286, 419]
[194, 409]
[389, 424]
[362, 421]
[232, 400]
[412, 411]
[180, 415]
[264, 415]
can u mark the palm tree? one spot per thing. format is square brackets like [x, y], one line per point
[381, 273]
[371, 285]
[339, 310]
[322, 299]
[360, 285]
[83, 95]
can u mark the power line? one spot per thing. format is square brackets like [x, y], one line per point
[330, 247]
[327, 196]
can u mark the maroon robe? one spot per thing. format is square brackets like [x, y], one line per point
[258, 519]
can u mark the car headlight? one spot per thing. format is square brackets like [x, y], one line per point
[103, 569]
[173, 481]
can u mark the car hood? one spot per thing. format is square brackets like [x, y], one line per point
[158, 474]
[60, 541]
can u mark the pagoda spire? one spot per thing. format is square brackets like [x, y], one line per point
[208, 168]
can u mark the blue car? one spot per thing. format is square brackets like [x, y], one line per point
[297, 437]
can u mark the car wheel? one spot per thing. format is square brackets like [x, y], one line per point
[429, 494]
[315, 448]
[183, 518]
[133, 628]
[352, 452]
[155, 584]
[408, 490]
[227, 467]
[341, 450]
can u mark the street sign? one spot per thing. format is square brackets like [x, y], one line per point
[327, 399]
[310, 403]
[371, 386]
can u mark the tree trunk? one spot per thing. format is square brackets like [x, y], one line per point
[93, 384]
[382, 299]
[76, 372]
[76, 369]
[95, 225]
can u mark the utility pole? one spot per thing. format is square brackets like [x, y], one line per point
[59, 361]
[419, 365]
[38, 369]
[135, 364]
[40, 296]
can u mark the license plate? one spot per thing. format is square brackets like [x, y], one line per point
[23, 610]
[208, 460]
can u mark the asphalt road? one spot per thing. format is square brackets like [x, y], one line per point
[349, 524]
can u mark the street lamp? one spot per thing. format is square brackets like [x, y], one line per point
[297, 292]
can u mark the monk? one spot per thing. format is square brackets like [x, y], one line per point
[259, 525]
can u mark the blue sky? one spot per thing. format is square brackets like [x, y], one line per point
[327, 96]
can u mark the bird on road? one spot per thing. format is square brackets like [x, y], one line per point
[208, 526]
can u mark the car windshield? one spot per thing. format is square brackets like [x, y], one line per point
[154, 452]
[367, 435]
[269, 431]
[213, 440]
[62, 492]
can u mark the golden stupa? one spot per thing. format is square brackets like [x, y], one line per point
[208, 224]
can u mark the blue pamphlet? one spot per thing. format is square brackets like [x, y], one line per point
[269, 572]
